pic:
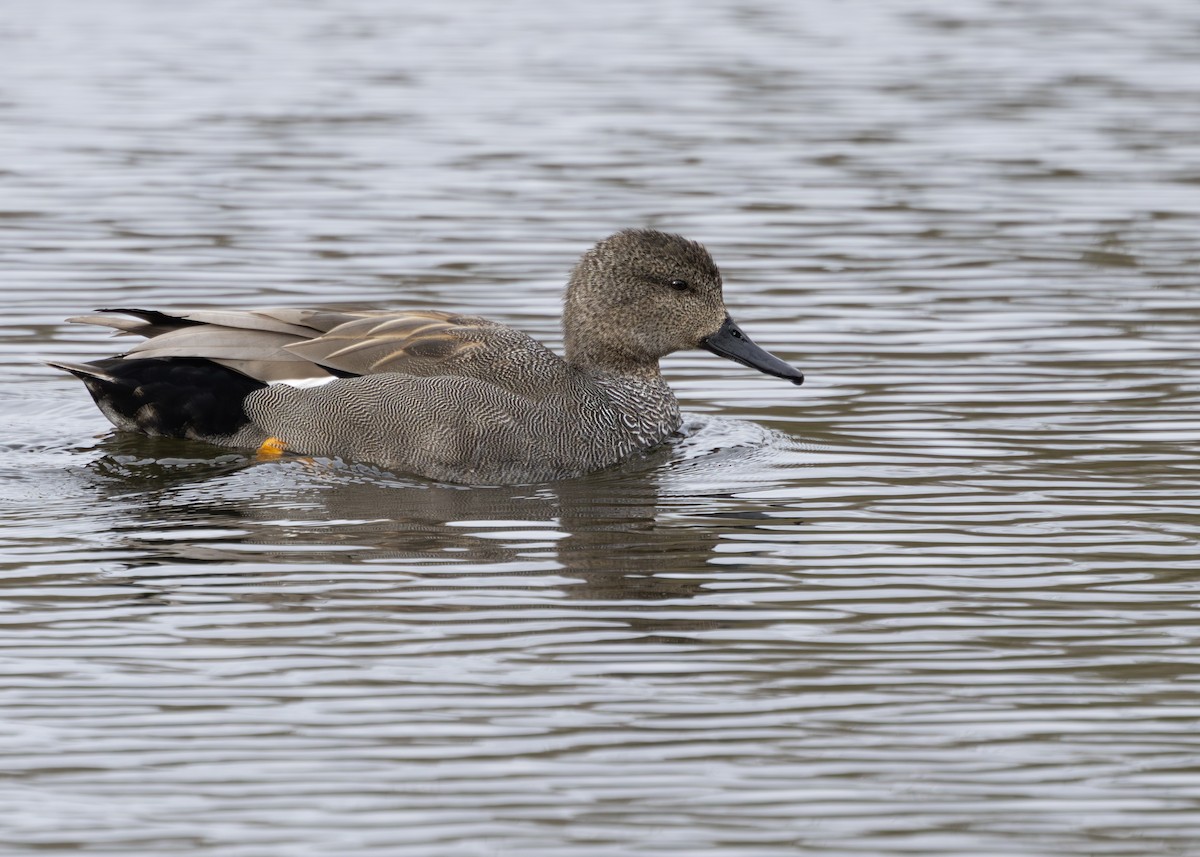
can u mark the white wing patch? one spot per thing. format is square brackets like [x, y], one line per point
[304, 383]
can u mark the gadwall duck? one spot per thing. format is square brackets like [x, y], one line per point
[450, 397]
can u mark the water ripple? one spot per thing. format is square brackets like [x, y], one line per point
[940, 600]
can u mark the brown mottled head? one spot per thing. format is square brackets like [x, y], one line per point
[640, 295]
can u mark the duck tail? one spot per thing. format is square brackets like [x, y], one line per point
[189, 397]
[83, 371]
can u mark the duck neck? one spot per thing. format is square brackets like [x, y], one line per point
[594, 340]
[605, 358]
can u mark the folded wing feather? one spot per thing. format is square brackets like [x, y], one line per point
[305, 344]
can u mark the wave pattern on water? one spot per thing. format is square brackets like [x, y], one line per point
[941, 599]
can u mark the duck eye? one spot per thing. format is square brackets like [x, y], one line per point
[679, 285]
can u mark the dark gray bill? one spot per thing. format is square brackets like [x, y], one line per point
[730, 342]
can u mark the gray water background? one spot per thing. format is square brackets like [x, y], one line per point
[941, 600]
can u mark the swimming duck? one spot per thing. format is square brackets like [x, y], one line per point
[450, 397]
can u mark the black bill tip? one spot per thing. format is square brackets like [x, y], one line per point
[729, 342]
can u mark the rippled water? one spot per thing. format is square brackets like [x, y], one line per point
[940, 600]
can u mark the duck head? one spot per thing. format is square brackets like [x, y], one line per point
[640, 295]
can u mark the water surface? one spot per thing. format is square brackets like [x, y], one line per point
[942, 599]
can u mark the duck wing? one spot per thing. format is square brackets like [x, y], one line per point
[286, 344]
[431, 344]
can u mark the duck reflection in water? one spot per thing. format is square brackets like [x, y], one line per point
[606, 534]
